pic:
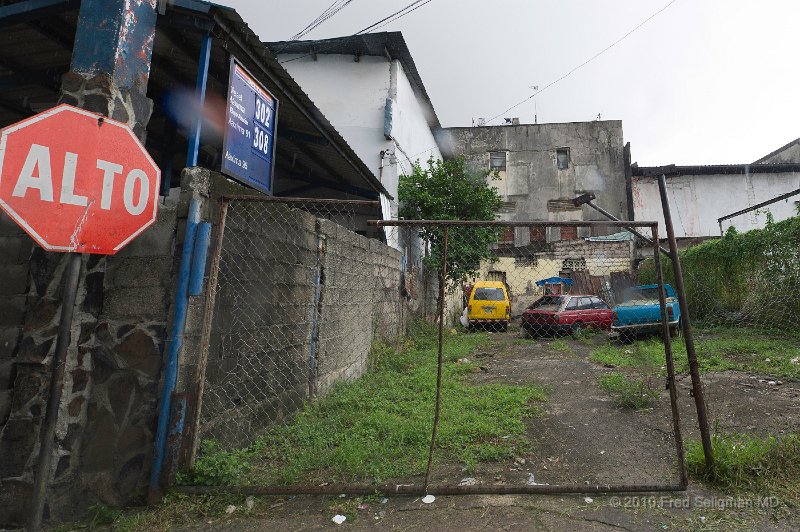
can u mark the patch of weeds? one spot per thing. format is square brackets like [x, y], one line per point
[560, 345]
[718, 349]
[216, 466]
[767, 466]
[101, 515]
[628, 393]
[379, 426]
[647, 354]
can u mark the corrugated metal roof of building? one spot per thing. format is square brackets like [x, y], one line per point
[36, 49]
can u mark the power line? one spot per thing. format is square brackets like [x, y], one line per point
[332, 10]
[645, 21]
[413, 6]
[595, 56]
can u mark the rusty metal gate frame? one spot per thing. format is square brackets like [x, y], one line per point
[443, 489]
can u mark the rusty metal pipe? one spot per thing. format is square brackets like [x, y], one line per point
[437, 409]
[673, 394]
[498, 223]
[694, 371]
[418, 490]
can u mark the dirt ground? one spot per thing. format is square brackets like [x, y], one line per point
[582, 437]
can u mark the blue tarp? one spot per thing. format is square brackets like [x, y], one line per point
[554, 280]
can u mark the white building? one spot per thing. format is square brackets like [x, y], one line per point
[700, 195]
[370, 90]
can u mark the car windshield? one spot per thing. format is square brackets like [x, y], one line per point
[639, 296]
[547, 303]
[488, 294]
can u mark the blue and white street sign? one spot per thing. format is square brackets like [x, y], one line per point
[249, 142]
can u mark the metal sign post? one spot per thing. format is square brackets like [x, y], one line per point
[44, 464]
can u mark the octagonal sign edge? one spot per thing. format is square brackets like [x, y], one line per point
[92, 205]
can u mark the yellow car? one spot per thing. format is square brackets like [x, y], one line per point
[489, 305]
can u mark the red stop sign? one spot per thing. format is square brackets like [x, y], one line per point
[77, 181]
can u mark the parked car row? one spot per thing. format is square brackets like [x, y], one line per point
[639, 312]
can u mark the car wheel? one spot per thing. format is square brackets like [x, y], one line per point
[677, 330]
[577, 327]
[627, 337]
[504, 327]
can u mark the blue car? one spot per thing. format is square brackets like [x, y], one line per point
[640, 311]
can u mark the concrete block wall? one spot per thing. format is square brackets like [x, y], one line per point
[299, 302]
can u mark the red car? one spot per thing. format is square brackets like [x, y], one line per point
[566, 313]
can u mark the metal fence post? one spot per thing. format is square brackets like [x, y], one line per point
[44, 463]
[697, 385]
[673, 394]
[437, 408]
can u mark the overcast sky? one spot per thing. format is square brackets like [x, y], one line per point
[703, 82]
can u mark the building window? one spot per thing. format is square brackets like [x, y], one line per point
[569, 232]
[538, 233]
[562, 158]
[507, 236]
[497, 161]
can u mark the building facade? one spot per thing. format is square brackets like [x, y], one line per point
[542, 167]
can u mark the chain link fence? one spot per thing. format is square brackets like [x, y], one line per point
[742, 293]
[419, 356]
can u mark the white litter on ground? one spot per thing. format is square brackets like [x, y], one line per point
[588, 500]
[427, 499]
[339, 519]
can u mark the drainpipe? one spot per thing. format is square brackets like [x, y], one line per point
[174, 342]
[175, 338]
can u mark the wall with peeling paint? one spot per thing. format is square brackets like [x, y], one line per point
[533, 186]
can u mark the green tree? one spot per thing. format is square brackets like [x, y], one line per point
[446, 190]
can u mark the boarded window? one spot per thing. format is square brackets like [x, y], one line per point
[538, 234]
[497, 160]
[507, 236]
[569, 232]
[562, 158]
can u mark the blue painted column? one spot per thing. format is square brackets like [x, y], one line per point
[200, 94]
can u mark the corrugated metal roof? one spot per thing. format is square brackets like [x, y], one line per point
[712, 169]
[311, 156]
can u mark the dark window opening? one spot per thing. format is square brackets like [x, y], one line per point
[562, 158]
[569, 232]
[507, 236]
[497, 161]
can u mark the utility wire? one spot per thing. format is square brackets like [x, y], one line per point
[413, 6]
[595, 56]
[607, 48]
[332, 10]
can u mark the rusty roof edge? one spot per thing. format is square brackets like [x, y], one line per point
[270, 66]
[671, 170]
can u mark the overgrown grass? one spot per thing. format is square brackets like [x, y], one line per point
[560, 345]
[749, 464]
[628, 393]
[718, 349]
[379, 426]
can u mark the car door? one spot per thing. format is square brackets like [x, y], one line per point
[602, 313]
[570, 312]
[585, 314]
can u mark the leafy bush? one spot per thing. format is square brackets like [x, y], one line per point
[215, 466]
[742, 278]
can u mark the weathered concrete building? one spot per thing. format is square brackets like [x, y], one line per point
[541, 167]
